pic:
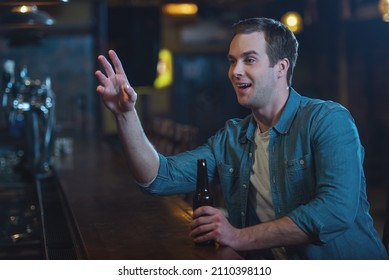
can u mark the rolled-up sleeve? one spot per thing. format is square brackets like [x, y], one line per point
[177, 174]
[338, 162]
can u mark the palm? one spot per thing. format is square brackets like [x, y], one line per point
[113, 95]
[113, 86]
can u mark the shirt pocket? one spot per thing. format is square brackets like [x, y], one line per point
[229, 178]
[300, 179]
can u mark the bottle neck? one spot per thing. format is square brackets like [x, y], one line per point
[202, 176]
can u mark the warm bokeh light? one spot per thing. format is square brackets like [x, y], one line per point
[180, 9]
[383, 6]
[25, 9]
[294, 21]
[32, 2]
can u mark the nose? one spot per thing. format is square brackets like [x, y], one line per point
[237, 70]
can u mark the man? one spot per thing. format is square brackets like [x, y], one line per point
[291, 172]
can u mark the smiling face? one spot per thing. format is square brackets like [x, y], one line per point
[251, 75]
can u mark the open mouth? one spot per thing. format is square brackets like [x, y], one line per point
[243, 85]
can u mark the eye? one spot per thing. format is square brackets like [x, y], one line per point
[231, 61]
[249, 60]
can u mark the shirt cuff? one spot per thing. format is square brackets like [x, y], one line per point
[145, 185]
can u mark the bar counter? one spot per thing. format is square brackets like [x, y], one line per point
[115, 219]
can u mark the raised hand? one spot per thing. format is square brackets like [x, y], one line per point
[115, 90]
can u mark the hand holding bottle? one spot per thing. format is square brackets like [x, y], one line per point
[210, 223]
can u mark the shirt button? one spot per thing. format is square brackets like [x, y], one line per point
[244, 186]
[274, 179]
[250, 154]
[231, 170]
[302, 162]
[242, 214]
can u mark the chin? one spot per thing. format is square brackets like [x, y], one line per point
[244, 103]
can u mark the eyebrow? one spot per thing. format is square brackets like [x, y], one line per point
[252, 52]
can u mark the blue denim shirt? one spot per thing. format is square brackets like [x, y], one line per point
[316, 177]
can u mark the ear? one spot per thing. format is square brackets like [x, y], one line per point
[282, 66]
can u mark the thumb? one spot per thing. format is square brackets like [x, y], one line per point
[128, 93]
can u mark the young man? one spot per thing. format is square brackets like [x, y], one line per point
[291, 172]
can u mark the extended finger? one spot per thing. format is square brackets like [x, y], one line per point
[100, 76]
[103, 80]
[116, 62]
[100, 89]
[106, 65]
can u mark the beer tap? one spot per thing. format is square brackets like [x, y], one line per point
[30, 103]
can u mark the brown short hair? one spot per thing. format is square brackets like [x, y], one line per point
[281, 42]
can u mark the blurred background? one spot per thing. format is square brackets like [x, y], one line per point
[343, 56]
[175, 57]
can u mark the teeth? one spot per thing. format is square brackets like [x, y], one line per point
[243, 85]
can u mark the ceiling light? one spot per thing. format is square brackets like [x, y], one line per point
[180, 9]
[26, 16]
[293, 21]
[33, 2]
[383, 7]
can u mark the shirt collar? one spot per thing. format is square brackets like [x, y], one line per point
[289, 112]
[248, 131]
[284, 123]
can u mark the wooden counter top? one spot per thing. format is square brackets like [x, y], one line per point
[115, 219]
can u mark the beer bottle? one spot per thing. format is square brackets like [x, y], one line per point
[203, 195]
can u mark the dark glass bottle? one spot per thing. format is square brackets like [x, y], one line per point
[203, 195]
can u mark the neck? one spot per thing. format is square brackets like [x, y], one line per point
[267, 117]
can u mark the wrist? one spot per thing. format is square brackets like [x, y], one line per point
[125, 116]
[246, 239]
[239, 240]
